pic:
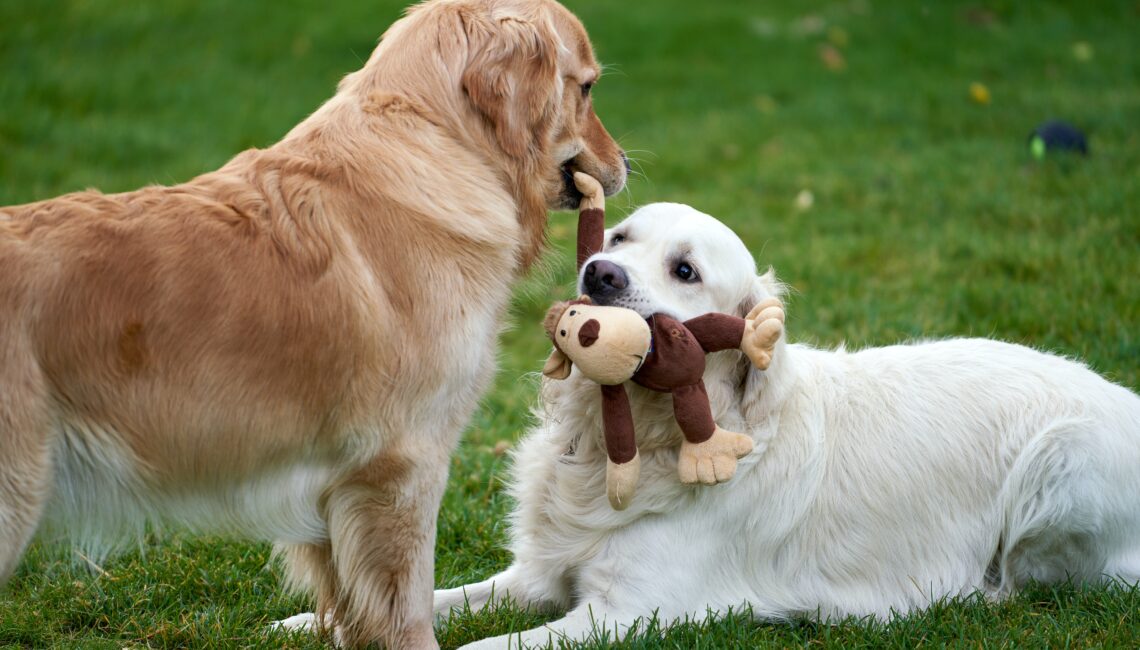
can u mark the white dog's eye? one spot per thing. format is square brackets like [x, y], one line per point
[686, 272]
[617, 239]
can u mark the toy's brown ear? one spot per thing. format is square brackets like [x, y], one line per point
[553, 315]
[557, 366]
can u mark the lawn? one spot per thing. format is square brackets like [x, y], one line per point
[841, 140]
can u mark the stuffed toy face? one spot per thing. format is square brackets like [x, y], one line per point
[608, 344]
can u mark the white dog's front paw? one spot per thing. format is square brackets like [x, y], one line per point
[306, 623]
[301, 622]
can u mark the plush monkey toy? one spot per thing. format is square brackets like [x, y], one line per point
[612, 345]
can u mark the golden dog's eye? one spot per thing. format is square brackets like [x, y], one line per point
[586, 88]
[563, 333]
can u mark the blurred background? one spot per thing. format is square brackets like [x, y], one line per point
[875, 153]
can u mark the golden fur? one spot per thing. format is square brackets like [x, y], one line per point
[289, 347]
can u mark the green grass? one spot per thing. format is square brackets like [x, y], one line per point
[929, 219]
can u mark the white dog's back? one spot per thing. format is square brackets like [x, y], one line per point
[943, 468]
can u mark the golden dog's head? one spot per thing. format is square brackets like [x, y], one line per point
[514, 79]
[530, 74]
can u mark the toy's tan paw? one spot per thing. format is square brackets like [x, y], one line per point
[592, 194]
[762, 329]
[714, 460]
[687, 466]
[742, 445]
[621, 481]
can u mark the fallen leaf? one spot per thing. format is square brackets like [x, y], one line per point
[832, 58]
[804, 200]
[765, 103]
[809, 25]
[979, 93]
[1083, 51]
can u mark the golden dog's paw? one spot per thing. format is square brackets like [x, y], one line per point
[762, 329]
[621, 481]
[593, 196]
[714, 460]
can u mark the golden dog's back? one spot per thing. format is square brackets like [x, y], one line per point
[173, 308]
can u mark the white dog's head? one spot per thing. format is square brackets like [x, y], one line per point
[669, 258]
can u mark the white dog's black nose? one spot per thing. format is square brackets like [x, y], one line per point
[603, 280]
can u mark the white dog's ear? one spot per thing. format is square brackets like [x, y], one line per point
[512, 75]
[763, 286]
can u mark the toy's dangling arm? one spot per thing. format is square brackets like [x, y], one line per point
[591, 217]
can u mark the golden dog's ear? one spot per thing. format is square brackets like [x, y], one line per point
[512, 76]
[557, 365]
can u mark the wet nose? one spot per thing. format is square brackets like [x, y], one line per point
[603, 279]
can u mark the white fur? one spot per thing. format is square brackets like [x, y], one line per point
[102, 504]
[882, 480]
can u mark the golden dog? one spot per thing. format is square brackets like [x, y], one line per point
[288, 348]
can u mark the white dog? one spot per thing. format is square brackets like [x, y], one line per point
[881, 480]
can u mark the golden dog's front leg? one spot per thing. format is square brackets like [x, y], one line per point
[382, 525]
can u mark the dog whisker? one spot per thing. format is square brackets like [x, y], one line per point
[611, 68]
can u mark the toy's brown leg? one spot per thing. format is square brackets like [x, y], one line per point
[624, 465]
[708, 454]
[591, 233]
[591, 217]
[621, 446]
[691, 409]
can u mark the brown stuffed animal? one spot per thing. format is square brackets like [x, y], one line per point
[611, 345]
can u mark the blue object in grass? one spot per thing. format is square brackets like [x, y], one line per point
[1056, 136]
